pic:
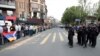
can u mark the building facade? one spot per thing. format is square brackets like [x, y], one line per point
[22, 9]
[38, 9]
[7, 7]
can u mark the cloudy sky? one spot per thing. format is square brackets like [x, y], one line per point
[57, 7]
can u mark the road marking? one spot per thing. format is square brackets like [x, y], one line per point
[54, 37]
[75, 36]
[61, 37]
[43, 35]
[37, 35]
[45, 39]
[66, 34]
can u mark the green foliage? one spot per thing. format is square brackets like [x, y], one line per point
[97, 14]
[72, 13]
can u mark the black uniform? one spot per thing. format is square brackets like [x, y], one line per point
[99, 28]
[70, 36]
[84, 38]
[94, 34]
[79, 36]
[89, 39]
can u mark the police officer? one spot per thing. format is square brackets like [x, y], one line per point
[70, 36]
[84, 32]
[94, 34]
[89, 31]
[79, 35]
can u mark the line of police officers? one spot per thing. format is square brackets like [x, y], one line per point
[85, 34]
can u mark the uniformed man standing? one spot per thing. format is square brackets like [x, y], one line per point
[84, 33]
[70, 36]
[94, 34]
[89, 31]
[79, 35]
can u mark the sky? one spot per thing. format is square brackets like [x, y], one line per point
[56, 8]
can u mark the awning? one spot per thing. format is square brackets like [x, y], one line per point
[35, 21]
[11, 18]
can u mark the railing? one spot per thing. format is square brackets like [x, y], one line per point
[7, 3]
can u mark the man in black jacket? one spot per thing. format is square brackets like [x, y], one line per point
[84, 38]
[79, 35]
[94, 34]
[70, 36]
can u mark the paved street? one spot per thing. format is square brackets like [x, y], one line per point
[51, 42]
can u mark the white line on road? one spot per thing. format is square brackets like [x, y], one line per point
[75, 36]
[61, 37]
[45, 39]
[66, 34]
[54, 37]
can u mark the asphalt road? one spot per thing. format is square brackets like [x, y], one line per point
[51, 42]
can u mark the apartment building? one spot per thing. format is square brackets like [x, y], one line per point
[22, 9]
[7, 7]
[38, 9]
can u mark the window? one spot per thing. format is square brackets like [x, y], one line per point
[42, 1]
[9, 12]
[35, 0]
[19, 4]
[0, 11]
[35, 14]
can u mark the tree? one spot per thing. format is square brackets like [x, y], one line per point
[97, 13]
[72, 13]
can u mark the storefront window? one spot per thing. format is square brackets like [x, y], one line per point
[35, 0]
[9, 12]
[0, 11]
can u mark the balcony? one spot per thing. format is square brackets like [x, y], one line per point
[5, 4]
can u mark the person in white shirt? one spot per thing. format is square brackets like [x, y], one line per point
[26, 30]
[31, 30]
[18, 30]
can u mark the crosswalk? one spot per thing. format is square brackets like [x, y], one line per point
[45, 39]
[55, 36]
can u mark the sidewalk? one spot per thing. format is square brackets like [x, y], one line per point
[18, 40]
[11, 43]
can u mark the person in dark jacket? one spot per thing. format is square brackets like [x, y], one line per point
[94, 34]
[84, 38]
[70, 36]
[89, 31]
[79, 35]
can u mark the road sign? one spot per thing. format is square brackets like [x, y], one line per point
[77, 20]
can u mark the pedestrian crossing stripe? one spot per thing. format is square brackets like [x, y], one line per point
[45, 39]
[75, 36]
[66, 34]
[61, 37]
[54, 37]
